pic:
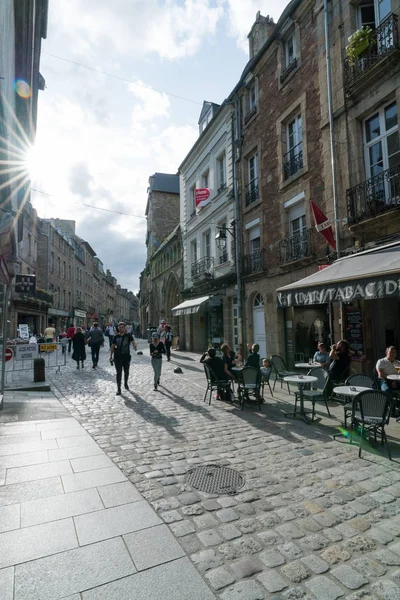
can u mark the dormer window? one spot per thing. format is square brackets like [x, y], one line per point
[206, 121]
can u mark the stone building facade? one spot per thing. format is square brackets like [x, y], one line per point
[162, 212]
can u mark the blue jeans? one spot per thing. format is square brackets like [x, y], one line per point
[385, 386]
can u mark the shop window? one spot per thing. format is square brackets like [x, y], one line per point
[252, 192]
[193, 251]
[205, 179]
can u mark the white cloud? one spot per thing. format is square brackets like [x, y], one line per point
[169, 29]
[153, 104]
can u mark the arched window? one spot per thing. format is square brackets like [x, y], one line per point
[258, 301]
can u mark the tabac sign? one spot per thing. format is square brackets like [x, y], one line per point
[361, 289]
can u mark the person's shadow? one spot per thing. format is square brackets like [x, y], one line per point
[150, 413]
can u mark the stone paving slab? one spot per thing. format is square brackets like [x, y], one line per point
[152, 547]
[66, 573]
[171, 581]
[63, 506]
[89, 479]
[7, 583]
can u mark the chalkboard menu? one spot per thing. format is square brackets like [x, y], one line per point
[355, 333]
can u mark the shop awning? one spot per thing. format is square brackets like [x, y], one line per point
[189, 307]
[364, 276]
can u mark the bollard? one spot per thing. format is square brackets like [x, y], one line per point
[38, 369]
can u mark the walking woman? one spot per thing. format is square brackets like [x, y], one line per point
[168, 341]
[157, 349]
[78, 343]
[120, 354]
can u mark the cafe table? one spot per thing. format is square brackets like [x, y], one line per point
[307, 365]
[301, 381]
[395, 378]
[349, 391]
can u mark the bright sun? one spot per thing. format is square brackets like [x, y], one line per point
[33, 163]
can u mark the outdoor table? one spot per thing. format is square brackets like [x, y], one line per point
[349, 391]
[307, 365]
[393, 377]
[301, 380]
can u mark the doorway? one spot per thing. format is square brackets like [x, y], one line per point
[259, 324]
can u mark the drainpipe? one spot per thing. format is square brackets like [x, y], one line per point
[236, 118]
[333, 159]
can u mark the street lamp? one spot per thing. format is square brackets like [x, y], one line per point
[221, 237]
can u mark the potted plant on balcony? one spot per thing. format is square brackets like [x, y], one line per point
[359, 41]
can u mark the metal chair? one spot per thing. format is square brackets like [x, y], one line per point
[213, 383]
[280, 370]
[371, 410]
[363, 381]
[318, 393]
[249, 385]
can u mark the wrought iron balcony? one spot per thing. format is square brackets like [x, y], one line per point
[293, 161]
[374, 196]
[386, 44]
[250, 114]
[221, 187]
[295, 247]
[203, 269]
[252, 193]
[254, 262]
[291, 67]
[223, 258]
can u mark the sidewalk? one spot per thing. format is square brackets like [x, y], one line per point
[72, 525]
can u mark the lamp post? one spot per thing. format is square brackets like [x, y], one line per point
[221, 239]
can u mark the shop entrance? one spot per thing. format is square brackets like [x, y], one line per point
[310, 326]
[386, 323]
[259, 325]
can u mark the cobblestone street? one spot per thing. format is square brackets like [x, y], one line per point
[313, 521]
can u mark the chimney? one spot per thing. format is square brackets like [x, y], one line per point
[259, 33]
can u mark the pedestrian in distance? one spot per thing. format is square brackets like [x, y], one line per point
[120, 355]
[79, 342]
[70, 334]
[49, 333]
[168, 341]
[95, 340]
[110, 332]
[157, 349]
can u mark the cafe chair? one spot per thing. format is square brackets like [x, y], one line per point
[318, 393]
[361, 380]
[249, 385]
[280, 370]
[371, 411]
[213, 383]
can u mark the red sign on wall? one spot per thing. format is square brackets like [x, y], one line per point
[202, 197]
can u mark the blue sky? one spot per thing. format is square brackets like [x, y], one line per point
[99, 138]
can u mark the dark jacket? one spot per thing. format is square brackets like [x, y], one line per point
[339, 368]
[156, 352]
[217, 365]
[95, 335]
[253, 360]
[78, 343]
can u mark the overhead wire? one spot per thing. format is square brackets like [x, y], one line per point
[137, 80]
[91, 206]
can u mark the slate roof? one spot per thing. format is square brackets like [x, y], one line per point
[164, 182]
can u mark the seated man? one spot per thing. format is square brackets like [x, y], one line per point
[322, 356]
[253, 360]
[217, 365]
[384, 367]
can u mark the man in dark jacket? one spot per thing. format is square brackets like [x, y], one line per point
[95, 337]
[253, 360]
[218, 367]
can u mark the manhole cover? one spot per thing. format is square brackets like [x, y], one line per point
[214, 479]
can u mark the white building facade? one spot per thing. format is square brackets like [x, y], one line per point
[207, 314]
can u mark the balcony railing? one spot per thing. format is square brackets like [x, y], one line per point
[386, 43]
[203, 269]
[293, 161]
[374, 196]
[254, 262]
[250, 114]
[221, 187]
[252, 193]
[223, 258]
[291, 67]
[295, 247]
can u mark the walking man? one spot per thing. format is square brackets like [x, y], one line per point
[95, 338]
[168, 341]
[110, 332]
[120, 355]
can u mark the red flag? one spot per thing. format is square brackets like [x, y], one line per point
[323, 225]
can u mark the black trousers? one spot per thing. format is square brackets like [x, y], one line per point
[95, 348]
[122, 362]
[69, 344]
[168, 349]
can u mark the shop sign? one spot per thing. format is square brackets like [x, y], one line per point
[355, 333]
[23, 331]
[8, 354]
[26, 352]
[80, 313]
[362, 289]
[25, 284]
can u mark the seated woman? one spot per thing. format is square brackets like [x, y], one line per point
[322, 356]
[340, 365]
[253, 360]
[218, 367]
[228, 360]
